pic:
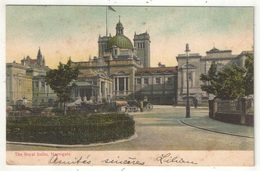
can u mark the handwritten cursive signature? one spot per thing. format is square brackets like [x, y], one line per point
[56, 160]
[169, 158]
[130, 160]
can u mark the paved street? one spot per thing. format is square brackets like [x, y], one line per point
[166, 128]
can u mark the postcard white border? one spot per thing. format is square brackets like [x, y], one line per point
[121, 2]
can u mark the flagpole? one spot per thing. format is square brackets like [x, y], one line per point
[110, 8]
[106, 21]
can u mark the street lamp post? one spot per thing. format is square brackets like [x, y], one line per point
[187, 78]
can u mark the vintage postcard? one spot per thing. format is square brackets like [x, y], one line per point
[128, 85]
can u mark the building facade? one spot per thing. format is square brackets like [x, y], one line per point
[121, 71]
[157, 84]
[18, 84]
[122, 64]
[200, 65]
[25, 82]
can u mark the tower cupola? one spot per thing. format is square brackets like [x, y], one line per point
[119, 28]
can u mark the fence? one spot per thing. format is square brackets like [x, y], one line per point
[240, 111]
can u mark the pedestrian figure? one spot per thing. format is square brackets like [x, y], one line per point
[145, 99]
[141, 106]
[195, 102]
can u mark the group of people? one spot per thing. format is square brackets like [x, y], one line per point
[142, 103]
[194, 101]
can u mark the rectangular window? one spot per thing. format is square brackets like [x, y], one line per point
[158, 80]
[140, 45]
[126, 84]
[146, 81]
[169, 80]
[190, 75]
[121, 84]
[103, 47]
[43, 84]
[116, 84]
[36, 84]
[138, 81]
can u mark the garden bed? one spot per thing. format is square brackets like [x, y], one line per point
[77, 129]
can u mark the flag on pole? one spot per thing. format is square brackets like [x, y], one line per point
[112, 9]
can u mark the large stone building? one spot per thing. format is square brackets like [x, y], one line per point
[18, 83]
[121, 71]
[158, 84]
[200, 65]
[25, 82]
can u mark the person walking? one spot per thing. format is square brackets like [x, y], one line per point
[141, 106]
[195, 102]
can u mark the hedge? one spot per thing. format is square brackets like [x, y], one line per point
[87, 109]
[80, 129]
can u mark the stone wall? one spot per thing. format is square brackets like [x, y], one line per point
[239, 111]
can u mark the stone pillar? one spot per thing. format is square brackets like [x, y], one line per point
[114, 86]
[127, 78]
[215, 107]
[243, 114]
[39, 86]
[117, 92]
[124, 85]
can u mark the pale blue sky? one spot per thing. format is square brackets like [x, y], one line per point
[63, 31]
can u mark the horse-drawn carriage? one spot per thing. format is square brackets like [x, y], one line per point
[134, 106]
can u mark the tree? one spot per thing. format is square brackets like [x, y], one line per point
[227, 84]
[249, 77]
[59, 80]
[209, 78]
[230, 82]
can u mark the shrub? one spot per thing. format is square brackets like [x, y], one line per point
[57, 111]
[71, 129]
[97, 108]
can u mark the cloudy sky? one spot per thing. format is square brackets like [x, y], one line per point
[72, 31]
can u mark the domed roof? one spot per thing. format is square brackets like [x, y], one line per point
[120, 41]
[119, 24]
[214, 50]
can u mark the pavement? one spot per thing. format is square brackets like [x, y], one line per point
[212, 125]
[202, 121]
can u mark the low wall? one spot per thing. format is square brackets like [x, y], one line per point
[236, 112]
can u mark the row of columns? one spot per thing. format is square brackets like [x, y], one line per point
[105, 89]
[117, 85]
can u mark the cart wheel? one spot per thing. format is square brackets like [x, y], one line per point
[149, 106]
[135, 109]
